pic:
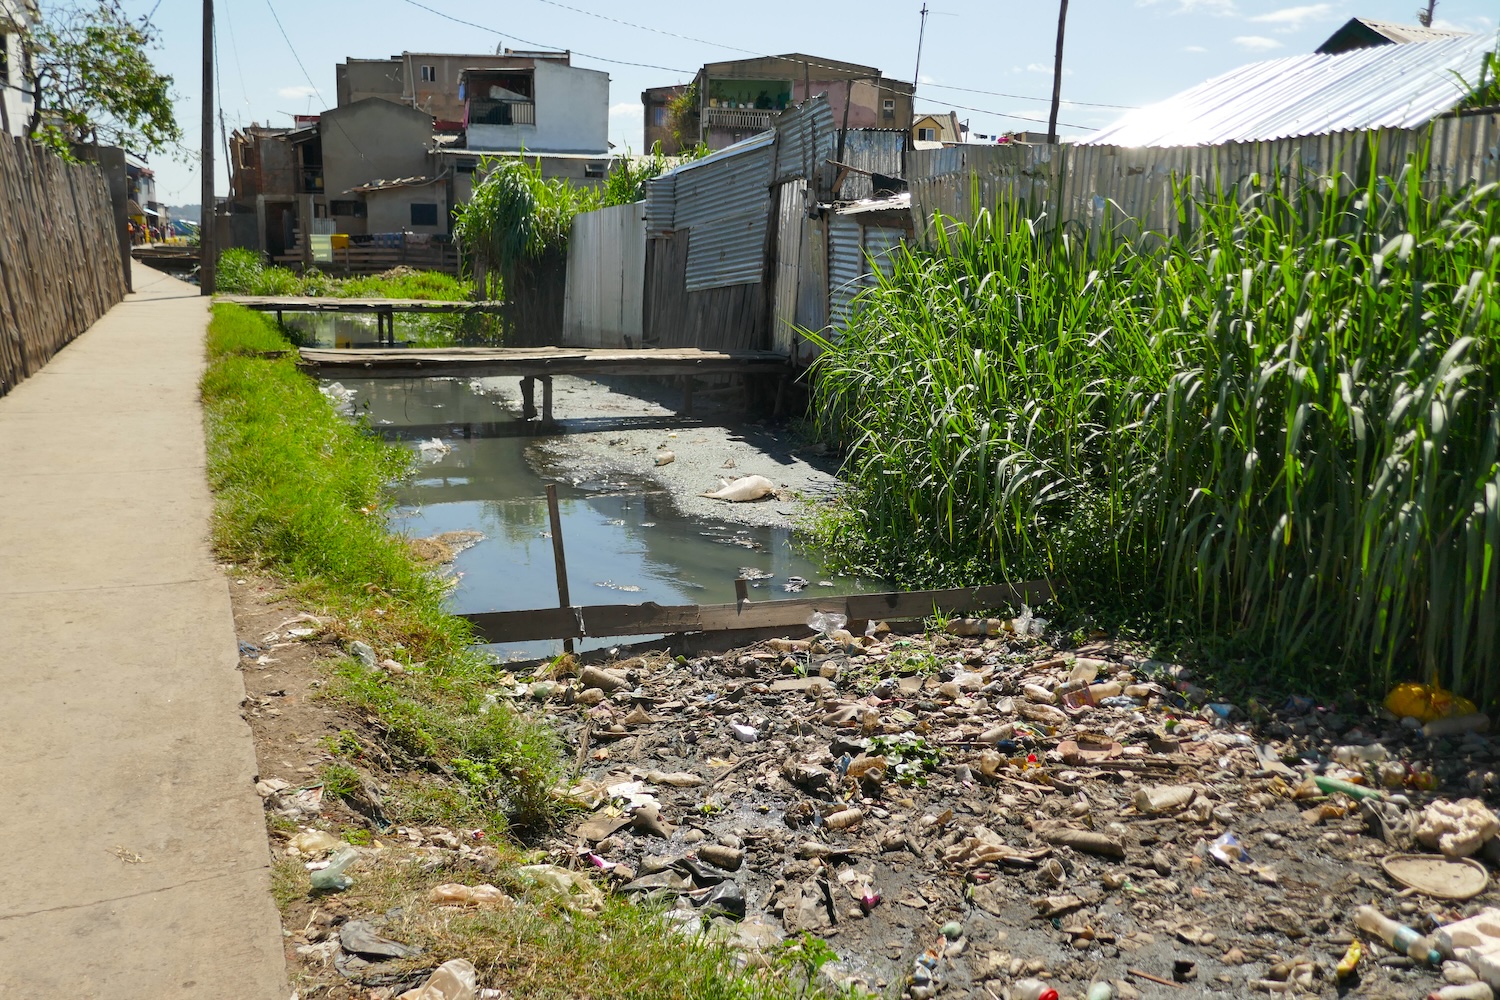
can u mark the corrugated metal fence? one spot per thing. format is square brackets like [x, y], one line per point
[604, 302]
[1087, 185]
[60, 267]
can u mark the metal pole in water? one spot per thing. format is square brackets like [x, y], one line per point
[557, 556]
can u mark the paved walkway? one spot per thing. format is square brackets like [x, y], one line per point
[120, 733]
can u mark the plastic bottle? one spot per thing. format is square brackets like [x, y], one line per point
[1468, 991]
[1455, 725]
[332, 878]
[1032, 989]
[1397, 936]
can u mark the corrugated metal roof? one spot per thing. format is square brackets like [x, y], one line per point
[1403, 34]
[805, 140]
[1391, 86]
[661, 204]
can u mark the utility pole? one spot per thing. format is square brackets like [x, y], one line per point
[916, 76]
[1057, 67]
[208, 257]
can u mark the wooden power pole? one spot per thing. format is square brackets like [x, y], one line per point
[1057, 67]
[208, 257]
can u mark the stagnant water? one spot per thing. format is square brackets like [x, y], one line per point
[624, 540]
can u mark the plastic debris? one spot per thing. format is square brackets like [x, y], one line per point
[573, 888]
[457, 894]
[332, 877]
[1426, 702]
[455, 979]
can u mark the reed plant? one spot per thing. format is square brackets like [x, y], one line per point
[1279, 424]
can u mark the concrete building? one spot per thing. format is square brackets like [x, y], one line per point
[937, 129]
[656, 103]
[538, 105]
[434, 81]
[17, 18]
[742, 97]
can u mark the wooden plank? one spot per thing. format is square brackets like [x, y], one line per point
[478, 362]
[526, 626]
[650, 618]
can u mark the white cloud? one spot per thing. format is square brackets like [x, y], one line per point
[626, 109]
[1194, 48]
[1045, 69]
[297, 93]
[1256, 43]
[1294, 18]
[924, 78]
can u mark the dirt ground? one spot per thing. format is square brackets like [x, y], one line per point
[942, 810]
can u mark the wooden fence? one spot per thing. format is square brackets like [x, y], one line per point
[60, 267]
[357, 259]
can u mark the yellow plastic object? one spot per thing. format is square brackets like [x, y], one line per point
[340, 241]
[1351, 958]
[1426, 702]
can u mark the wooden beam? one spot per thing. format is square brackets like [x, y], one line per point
[650, 618]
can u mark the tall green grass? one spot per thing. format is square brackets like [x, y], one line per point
[245, 272]
[1281, 426]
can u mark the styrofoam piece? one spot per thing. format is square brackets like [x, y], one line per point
[1476, 943]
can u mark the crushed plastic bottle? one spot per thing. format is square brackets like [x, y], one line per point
[332, 878]
[1398, 937]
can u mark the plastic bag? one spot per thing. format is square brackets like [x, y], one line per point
[824, 622]
[576, 890]
[1426, 702]
[453, 980]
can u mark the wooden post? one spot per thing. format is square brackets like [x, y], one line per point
[208, 258]
[741, 591]
[687, 395]
[557, 556]
[528, 398]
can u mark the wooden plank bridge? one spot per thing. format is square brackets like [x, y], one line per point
[541, 363]
[384, 310]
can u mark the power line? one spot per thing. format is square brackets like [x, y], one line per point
[643, 27]
[540, 45]
[1007, 114]
[1023, 97]
[234, 46]
[293, 48]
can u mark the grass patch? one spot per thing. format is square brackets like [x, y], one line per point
[302, 493]
[245, 272]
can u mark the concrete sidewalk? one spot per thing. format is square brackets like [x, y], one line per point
[120, 732]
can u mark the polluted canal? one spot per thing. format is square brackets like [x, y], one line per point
[634, 530]
[991, 810]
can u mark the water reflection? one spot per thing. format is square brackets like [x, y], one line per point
[625, 542]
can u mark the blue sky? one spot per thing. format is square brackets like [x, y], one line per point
[1119, 52]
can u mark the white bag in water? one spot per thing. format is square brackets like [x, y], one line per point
[743, 490]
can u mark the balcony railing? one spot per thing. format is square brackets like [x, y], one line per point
[487, 112]
[737, 118]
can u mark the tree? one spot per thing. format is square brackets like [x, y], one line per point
[95, 82]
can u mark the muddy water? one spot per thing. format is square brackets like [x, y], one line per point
[624, 540]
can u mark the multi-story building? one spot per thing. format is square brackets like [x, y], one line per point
[659, 127]
[17, 18]
[742, 97]
[505, 101]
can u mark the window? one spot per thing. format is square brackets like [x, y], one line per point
[350, 209]
[927, 135]
[320, 211]
[429, 74]
[659, 117]
[424, 213]
[593, 170]
[888, 108]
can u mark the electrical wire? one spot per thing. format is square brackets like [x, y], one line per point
[542, 45]
[646, 27]
[1023, 97]
[1007, 114]
[234, 46]
[306, 75]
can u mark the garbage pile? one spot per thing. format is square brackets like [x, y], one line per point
[972, 813]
